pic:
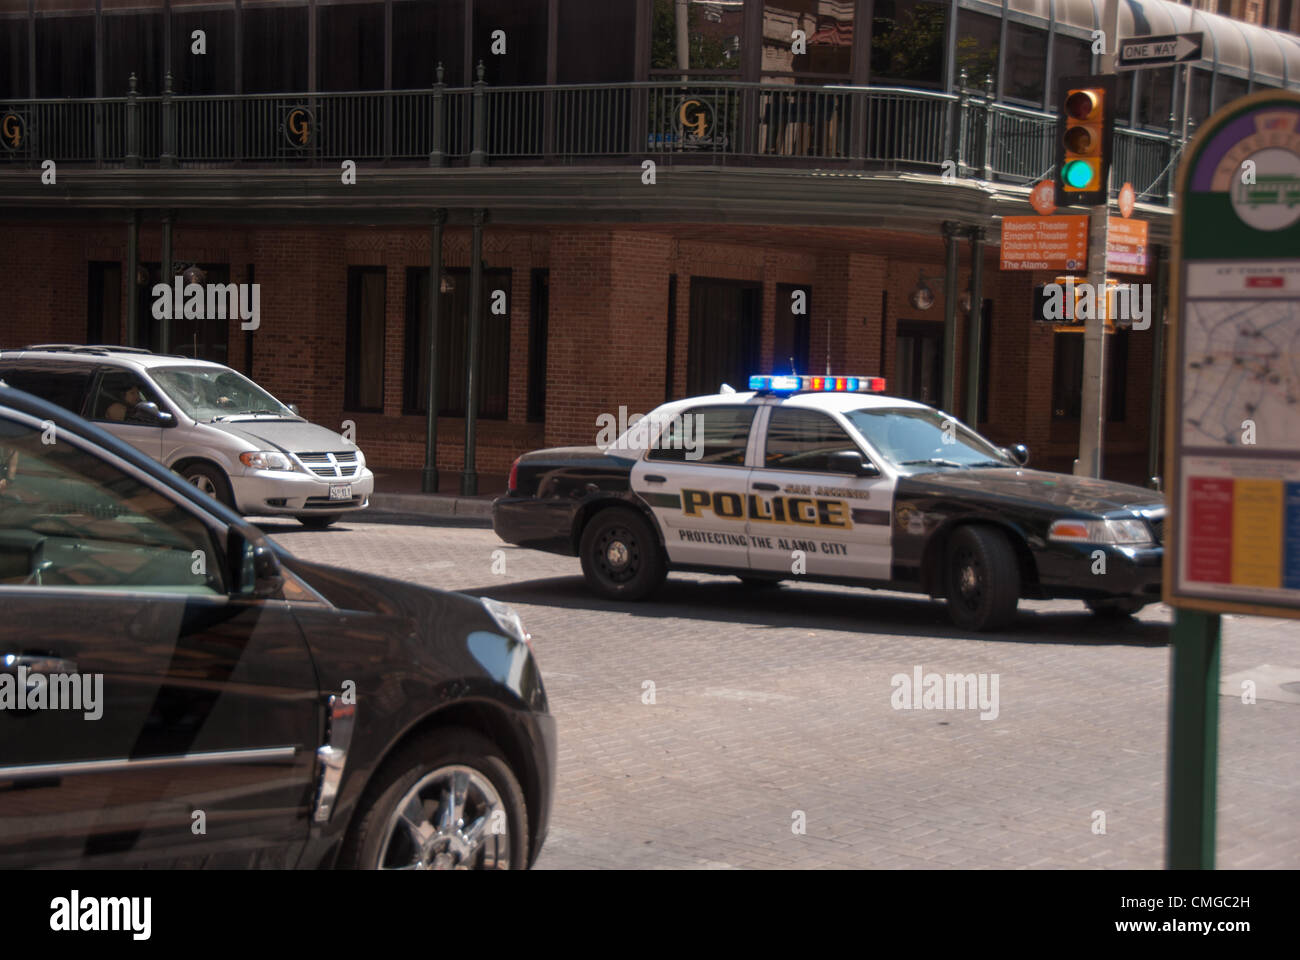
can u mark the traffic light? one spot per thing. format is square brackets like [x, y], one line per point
[1085, 128]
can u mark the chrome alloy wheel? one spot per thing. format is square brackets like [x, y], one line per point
[451, 819]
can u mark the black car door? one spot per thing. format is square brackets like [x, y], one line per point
[180, 715]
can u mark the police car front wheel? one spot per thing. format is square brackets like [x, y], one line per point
[621, 556]
[983, 579]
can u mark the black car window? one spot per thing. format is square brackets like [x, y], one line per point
[118, 393]
[805, 440]
[63, 386]
[708, 434]
[71, 519]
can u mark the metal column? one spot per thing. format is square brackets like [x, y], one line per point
[132, 269]
[165, 324]
[949, 396]
[429, 479]
[975, 327]
[469, 479]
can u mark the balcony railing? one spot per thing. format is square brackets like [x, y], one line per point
[838, 127]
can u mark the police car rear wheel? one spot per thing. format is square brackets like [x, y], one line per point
[621, 557]
[983, 579]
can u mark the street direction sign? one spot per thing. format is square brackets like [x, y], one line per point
[1126, 246]
[1045, 243]
[1158, 51]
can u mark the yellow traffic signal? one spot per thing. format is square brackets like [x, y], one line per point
[1084, 132]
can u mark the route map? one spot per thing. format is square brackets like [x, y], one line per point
[1242, 368]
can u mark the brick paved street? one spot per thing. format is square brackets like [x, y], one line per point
[777, 702]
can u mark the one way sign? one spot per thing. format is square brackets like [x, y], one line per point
[1138, 52]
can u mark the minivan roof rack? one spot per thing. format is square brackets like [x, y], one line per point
[100, 348]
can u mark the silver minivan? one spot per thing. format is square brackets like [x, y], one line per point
[212, 425]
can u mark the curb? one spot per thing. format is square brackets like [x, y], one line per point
[433, 505]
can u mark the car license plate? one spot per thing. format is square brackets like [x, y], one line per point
[340, 491]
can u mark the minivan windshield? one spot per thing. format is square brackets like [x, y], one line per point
[922, 437]
[216, 393]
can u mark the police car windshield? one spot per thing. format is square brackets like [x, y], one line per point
[919, 436]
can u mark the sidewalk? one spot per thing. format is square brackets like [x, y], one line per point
[397, 492]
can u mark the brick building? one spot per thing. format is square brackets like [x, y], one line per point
[848, 177]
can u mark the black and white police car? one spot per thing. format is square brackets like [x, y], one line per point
[825, 479]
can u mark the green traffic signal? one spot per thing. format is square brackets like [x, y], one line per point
[1077, 174]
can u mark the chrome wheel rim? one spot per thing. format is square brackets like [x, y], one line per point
[451, 819]
[204, 483]
[969, 577]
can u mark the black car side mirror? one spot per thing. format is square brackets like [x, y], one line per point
[268, 578]
[147, 412]
[1019, 453]
[256, 569]
[850, 461]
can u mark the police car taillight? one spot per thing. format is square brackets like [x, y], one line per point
[513, 483]
[791, 383]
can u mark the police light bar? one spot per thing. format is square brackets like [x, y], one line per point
[791, 383]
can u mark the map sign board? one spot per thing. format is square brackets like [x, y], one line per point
[1233, 454]
[1045, 243]
[1126, 246]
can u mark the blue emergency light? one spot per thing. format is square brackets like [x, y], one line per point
[793, 383]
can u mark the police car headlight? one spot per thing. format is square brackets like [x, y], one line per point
[266, 460]
[508, 620]
[1126, 532]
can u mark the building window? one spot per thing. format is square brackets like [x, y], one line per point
[724, 338]
[453, 344]
[791, 334]
[133, 43]
[1067, 376]
[596, 42]
[524, 23]
[538, 314]
[713, 28]
[1226, 89]
[104, 302]
[908, 40]
[1025, 71]
[1070, 58]
[978, 37]
[363, 387]
[350, 51]
[1200, 101]
[425, 34]
[65, 57]
[275, 49]
[14, 59]
[213, 71]
[828, 32]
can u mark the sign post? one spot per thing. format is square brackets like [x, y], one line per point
[1233, 438]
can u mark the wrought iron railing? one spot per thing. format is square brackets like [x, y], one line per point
[968, 133]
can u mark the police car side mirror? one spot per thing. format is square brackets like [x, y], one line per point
[1019, 453]
[850, 461]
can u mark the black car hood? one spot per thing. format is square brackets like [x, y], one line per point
[1062, 490]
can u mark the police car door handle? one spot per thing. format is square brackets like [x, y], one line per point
[655, 478]
[767, 486]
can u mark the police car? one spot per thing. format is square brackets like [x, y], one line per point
[826, 479]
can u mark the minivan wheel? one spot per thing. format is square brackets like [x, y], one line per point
[982, 579]
[317, 521]
[210, 480]
[621, 557]
[446, 801]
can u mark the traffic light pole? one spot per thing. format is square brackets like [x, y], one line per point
[1092, 412]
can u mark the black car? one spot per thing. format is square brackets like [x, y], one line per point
[825, 480]
[176, 690]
